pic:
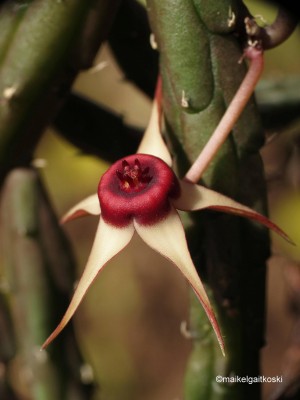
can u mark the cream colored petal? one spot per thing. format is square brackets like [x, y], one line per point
[167, 237]
[88, 206]
[152, 142]
[108, 242]
[195, 197]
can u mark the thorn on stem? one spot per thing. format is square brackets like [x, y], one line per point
[186, 333]
[231, 18]
[184, 100]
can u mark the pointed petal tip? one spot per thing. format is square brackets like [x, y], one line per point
[223, 351]
[283, 235]
[246, 212]
[167, 237]
[88, 206]
[64, 321]
[218, 333]
[214, 323]
[222, 346]
[108, 242]
[60, 327]
[196, 197]
[212, 318]
[152, 142]
[50, 339]
[70, 217]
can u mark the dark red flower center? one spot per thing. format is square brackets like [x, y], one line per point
[138, 186]
[133, 177]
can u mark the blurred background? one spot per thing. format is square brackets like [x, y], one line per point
[134, 309]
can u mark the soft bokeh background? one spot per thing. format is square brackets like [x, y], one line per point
[129, 323]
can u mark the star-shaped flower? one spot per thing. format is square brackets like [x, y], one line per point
[140, 194]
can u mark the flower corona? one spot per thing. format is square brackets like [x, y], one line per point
[138, 186]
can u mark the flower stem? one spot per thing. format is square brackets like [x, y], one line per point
[233, 112]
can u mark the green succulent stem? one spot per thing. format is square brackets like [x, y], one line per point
[36, 270]
[43, 45]
[201, 72]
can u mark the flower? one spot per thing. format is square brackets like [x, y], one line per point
[141, 194]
